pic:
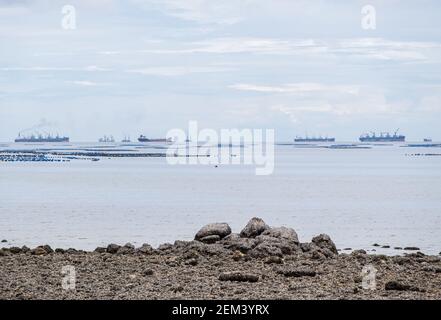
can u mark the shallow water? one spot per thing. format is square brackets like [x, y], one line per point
[357, 196]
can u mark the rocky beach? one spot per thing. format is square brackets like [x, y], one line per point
[260, 262]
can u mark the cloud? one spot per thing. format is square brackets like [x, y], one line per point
[361, 48]
[46, 69]
[87, 83]
[177, 71]
[297, 88]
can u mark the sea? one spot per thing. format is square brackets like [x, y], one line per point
[386, 194]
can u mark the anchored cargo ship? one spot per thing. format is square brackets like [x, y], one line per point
[107, 139]
[41, 138]
[314, 139]
[143, 138]
[383, 137]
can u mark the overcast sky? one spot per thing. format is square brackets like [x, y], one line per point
[147, 66]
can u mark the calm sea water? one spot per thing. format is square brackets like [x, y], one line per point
[358, 197]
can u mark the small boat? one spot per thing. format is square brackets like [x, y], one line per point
[427, 140]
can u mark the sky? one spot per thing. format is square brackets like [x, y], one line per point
[133, 67]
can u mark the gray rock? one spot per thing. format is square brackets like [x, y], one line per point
[112, 248]
[301, 272]
[254, 227]
[15, 250]
[275, 242]
[412, 248]
[60, 250]
[72, 251]
[100, 250]
[165, 246]
[266, 249]
[4, 241]
[25, 249]
[323, 241]
[282, 233]
[48, 249]
[400, 286]
[210, 239]
[38, 251]
[214, 229]
[236, 243]
[238, 276]
[145, 249]
[128, 248]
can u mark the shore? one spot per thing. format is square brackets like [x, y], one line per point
[260, 262]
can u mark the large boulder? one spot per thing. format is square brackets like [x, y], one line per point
[283, 233]
[324, 241]
[276, 242]
[235, 243]
[213, 229]
[254, 227]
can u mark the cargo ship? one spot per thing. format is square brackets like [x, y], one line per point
[143, 138]
[39, 138]
[383, 137]
[314, 139]
[107, 139]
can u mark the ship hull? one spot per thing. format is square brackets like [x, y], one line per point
[379, 139]
[42, 140]
[154, 140]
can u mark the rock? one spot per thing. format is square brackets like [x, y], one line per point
[3, 253]
[145, 249]
[346, 249]
[386, 247]
[235, 242]
[25, 249]
[48, 249]
[128, 248]
[266, 249]
[358, 252]
[282, 233]
[100, 250]
[306, 247]
[237, 255]
[15, 250]
[148, 272]
[398, 248]
[71, 251]
[192, 262]
[38, 251]
[302, 272]
[112, 248]
[375, 245]
[400, 286]
[323, 241]
[210, 239]
[254, 227]
[59, 250]
[238, 276]
[412, 248]
[213, 229]
[165, 246]
[4, 241]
